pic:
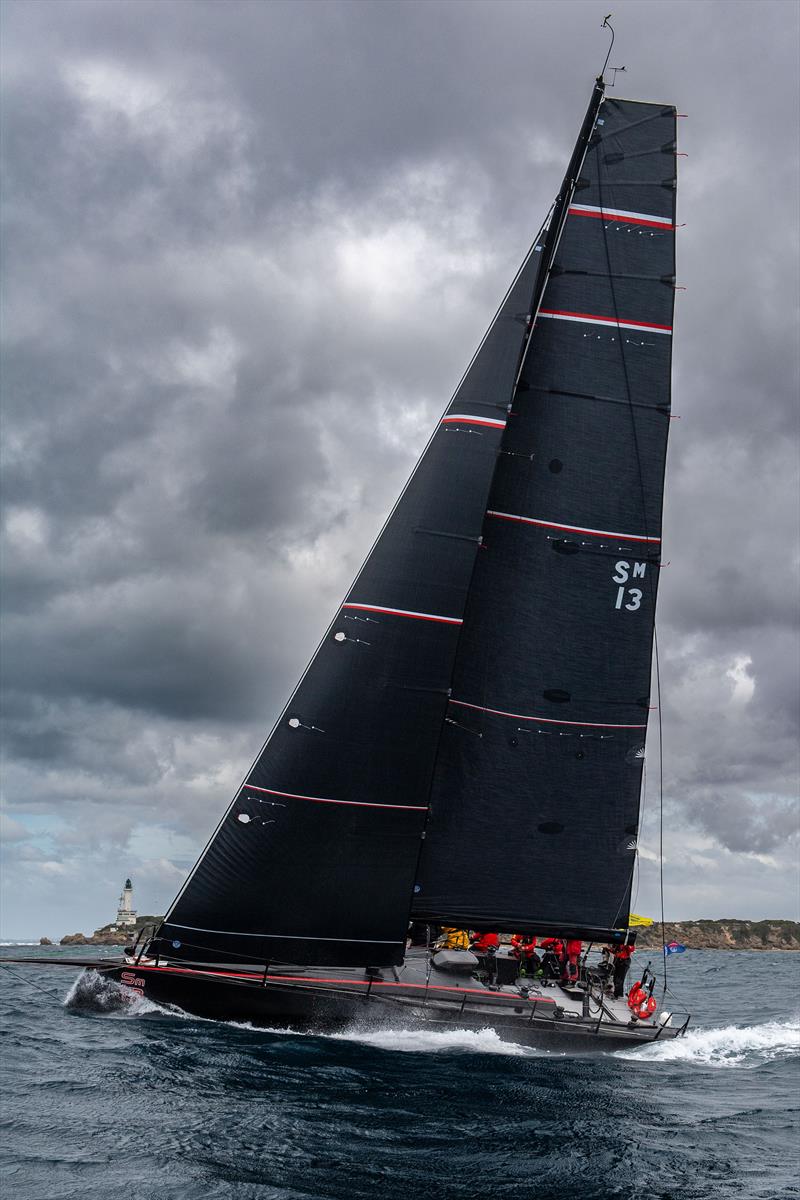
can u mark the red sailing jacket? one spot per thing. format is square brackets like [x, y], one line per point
[485, 941]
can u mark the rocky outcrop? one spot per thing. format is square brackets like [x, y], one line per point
[106, 936]
[45, 941]
[727, 934]
[103, 937]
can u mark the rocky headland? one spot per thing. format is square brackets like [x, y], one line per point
[107, 935]
[727, 934]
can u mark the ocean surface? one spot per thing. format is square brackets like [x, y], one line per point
[141, 1103]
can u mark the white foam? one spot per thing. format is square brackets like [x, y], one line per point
[97, 993]
[437, 1041]
[726, 1046]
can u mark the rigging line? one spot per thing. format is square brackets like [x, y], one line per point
[663, 111]
[652, 578]
[636, 871]
[660, 806]
[30, 983]
[168, 950]
[549, 391]
[627, 890]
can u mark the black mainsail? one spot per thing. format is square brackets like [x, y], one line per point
[484, 686]
[535, 803]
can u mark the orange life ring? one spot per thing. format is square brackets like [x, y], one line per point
[646, 1009]
[636, 996]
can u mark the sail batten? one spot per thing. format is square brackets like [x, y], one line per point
[498, 712]
[625, 537]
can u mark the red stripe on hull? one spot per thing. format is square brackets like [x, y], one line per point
[354, 983]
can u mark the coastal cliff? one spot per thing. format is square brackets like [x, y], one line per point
[727, 934]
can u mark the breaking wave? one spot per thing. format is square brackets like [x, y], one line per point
[94, 992]
[726, 1046]
[424, 1041]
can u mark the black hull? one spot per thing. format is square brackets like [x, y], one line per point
[331, 1006]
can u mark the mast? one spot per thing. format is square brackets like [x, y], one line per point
[566, 191]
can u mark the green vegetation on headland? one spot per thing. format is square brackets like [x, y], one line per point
[107, 935]
[728, 934]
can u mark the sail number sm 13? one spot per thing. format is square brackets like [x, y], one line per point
[623, 572]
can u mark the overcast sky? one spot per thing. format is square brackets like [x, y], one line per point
[249, 249]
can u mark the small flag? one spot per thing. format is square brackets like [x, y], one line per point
[674, 948]
[635, 920]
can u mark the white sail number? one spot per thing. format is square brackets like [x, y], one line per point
[624, 571]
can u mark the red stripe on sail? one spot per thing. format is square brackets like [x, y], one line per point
[598, 319]
[604, 215]
[322, 800]
[488, 421]
[625, 537]
[402, 612]
[498, 712]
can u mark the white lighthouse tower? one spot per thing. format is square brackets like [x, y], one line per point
[126, 913]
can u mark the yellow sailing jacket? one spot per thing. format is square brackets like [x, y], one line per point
[453, 939]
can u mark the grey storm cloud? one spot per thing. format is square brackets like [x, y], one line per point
[249, 248]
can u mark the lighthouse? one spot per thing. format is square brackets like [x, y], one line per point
[126, 913]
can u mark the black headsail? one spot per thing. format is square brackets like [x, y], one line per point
[314, 861]
[535, 801]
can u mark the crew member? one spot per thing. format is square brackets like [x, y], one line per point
[553, 960]
[524, 949]
[572, 952]
[622, 961]
[453, 939]
[485, 943]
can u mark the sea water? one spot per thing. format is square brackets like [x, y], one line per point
[106, 1095]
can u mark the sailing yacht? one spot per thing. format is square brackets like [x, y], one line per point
[466, 746]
